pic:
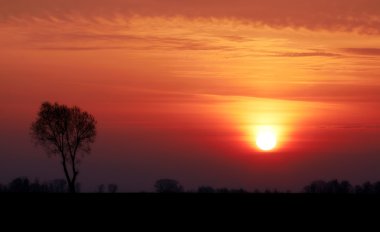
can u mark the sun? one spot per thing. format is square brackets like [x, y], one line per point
[266, 139]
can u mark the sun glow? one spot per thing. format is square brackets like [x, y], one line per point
[266, 138]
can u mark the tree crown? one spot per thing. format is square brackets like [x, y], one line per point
[64, 130]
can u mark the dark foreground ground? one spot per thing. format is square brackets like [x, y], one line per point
[191, 199]
[154, 211]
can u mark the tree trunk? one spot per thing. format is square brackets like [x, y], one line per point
[68, 179]
[72, 187]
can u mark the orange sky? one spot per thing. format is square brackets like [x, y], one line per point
[178, 86]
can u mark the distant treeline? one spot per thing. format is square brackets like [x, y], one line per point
[23, 184]
[315, 187]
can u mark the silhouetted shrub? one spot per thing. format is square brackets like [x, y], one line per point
[112, 188]
[206, 189]
[223, 190]
[168, 186]
[333, 186]
[19, 185]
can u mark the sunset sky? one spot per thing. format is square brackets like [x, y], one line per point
[180, 89]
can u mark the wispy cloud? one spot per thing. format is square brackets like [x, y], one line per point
[102, 42]
[341, 15]
[80, 48]
[307, 54]
[363, 51]
[267, 62]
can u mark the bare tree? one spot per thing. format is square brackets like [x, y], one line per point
[65, 132]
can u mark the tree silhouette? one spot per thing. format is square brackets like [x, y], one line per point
[58, 186]
[101, 188]
[24, 185]
[333, 186]
[376, 187]
[19, 185]
[346, 187]
[112, 188]
[65, 132]
[168, 186]
[223, 190]
[206, 189]
[365, 188]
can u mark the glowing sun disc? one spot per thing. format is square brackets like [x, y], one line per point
[266, 140]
